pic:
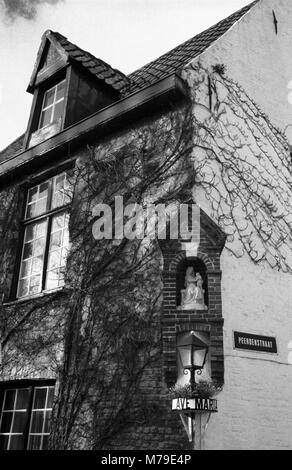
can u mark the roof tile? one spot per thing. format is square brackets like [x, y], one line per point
[175, 59]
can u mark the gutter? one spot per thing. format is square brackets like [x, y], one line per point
[153, 97]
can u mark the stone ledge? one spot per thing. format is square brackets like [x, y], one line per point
[34, 297]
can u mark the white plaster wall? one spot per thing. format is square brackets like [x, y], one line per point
[260, 60]
[255, 406]
[255, 409]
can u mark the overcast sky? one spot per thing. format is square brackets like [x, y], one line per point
[125, 33]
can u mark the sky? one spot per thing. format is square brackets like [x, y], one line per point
[125, 33]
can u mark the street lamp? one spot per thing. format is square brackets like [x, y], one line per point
[193, 353]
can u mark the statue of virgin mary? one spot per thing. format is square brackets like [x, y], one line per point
[193, 294]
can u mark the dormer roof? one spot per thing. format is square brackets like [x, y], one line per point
[57, 49]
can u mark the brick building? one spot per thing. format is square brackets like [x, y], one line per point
[90, 329]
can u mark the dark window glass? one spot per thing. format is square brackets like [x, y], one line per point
[18, 421]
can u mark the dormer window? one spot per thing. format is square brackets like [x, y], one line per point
[68, 85]
[48, 114]
[53, 105]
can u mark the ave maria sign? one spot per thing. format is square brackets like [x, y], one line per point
[194, 404]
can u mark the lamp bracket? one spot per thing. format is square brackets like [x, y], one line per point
[195, 425]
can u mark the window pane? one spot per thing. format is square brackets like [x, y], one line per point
[40, 398]
[34, 280]
[32, 194]
[28, 250]
[37, 200]
[41, 229]
[19, 421]
[30, 233]
[46, 117]
[62, 191]
[25, 268]
[32, 260]
[34, 442]
[39, 247]
[23, 287]
[9, 400]
[45, 442]
[64, 255]
[66, 236]
[22, 399]
[49, 97]
[35, 284]
[30, 211]
[58, 199]
[58, 196]
[47, 421]
[60, 90]
[61, 280]
[51, 397]
[6, 422]
[54, 260]
[58, 110]
[43, 190]
[4, 442]
[58, 223]
[37, 422]
[60, 181]
[59, 247]
[52, 281]
[40, 207]
[56, 240]
[37, 265]
[34, 290]
[16, 442]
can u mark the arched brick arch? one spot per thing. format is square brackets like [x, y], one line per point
[181, 256]
[207, 260]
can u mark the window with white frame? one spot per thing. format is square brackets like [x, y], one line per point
[53, 105]
[46, 236]
[25, 417]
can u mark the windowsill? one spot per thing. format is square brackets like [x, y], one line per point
[45, 132]
[42, 294]
[187, 310]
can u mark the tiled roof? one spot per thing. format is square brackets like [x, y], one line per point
[172, 61]
[12, 148]
[175, 59]
[97, 67]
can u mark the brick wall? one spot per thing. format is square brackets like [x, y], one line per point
[174, 319]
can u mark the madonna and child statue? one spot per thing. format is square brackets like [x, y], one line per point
[192, 297]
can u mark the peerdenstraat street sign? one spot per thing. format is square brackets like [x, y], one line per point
[253, 342]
